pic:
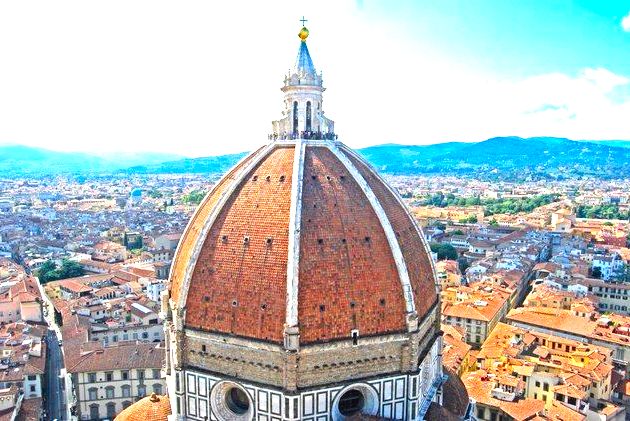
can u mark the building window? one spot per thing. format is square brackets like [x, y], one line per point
[32, 388]
[126, 391]
[92, 394]
[94, 412]
[142, 390]
[537, 384]
[546, 387]
[157, 388]
[351, 402]
[619, 353]
[141, 374]
[125, 375]
[92, 377]
[109, 376]
[156, 373]
[295, 117]
[109, 392]
[308, 116]
[111, 410]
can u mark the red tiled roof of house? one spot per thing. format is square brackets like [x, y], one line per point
[124, 355]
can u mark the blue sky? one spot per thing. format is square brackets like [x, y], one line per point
[200, 78]
[519, 38]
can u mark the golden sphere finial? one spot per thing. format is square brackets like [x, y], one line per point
[303, 34]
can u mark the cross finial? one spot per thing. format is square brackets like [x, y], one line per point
[303, 21]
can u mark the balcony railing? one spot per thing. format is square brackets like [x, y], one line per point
[303, 135]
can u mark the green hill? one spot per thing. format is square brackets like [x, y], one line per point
[499, 158]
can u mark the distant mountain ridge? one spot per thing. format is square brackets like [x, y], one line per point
[496, 158]
[20, 160]
[505, 157]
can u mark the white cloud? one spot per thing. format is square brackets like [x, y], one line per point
[604, 79]
[625, 23]
[198, 79]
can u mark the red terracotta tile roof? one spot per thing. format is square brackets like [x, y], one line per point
[411, 244]
[239, 283]
[151, 408]
[348, 277]
[188, 239]
[127, 355]
[30, 410]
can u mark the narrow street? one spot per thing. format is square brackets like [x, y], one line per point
[54, 362]
[54, 395]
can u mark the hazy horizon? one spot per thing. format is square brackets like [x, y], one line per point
[113, 154]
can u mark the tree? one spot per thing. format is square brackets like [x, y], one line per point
[194, 197]
[155, 194]
[49, 271]
[596, 272]
[70, 269]
[463, 264]
[45, 271]
[444, 251]
[472, 219]
[493, 223]
[458, 232]
[440, 225]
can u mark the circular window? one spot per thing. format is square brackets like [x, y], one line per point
[351, 403]
[237, 401]
[355, 399]
[231, 402]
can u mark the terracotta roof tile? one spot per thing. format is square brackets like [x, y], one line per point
[348, 277]
[151, 408]
[416, 257]
[239, 283]
[188, 239]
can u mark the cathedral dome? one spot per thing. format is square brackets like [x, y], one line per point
[303, 235]
[151, 408]
[302, 288]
